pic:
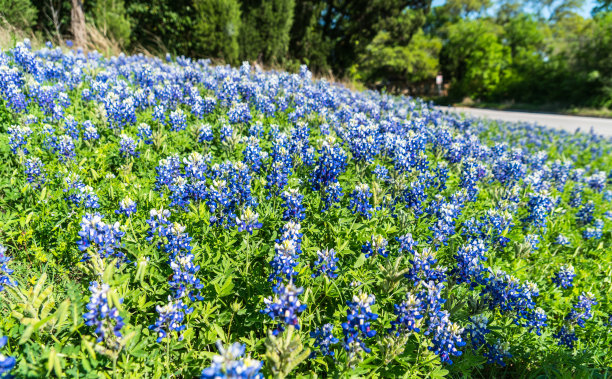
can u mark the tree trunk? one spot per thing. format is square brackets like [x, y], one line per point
[79, 32]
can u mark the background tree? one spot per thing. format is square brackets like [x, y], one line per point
[265, 28]
[162, 26]
[18, 13]
[216, 29]
[474, 58]
[111, 19]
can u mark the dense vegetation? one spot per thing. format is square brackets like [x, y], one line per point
[176, 219]
[526, 51]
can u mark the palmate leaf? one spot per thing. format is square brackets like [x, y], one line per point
[285, 352]
[35, 308]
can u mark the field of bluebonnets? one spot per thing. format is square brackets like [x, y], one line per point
[179, 219]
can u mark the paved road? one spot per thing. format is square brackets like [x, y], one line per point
[602, 126]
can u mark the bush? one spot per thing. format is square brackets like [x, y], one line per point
[18, 13]
[216, 29]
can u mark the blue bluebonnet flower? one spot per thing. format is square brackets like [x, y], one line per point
[179, 193]
[178, 120]
[430, 295]
[119, 112]
[357, 328]
[210, 103]
[413, 196]
[287, 250]
[253, 155]
[560, 172]
[409, 314]
[562, 240]
[532, 240]
[330, 164]
[204, 133]
[71, 126]
[407, 243]
[177, 241]
[285, 306]
[79, 194]
[65, 147]
[575, 199]
[5, 271]
[566, 336]
[360, 200]
[248, 221]
[584, 216]
[104, 318]
[277, 177]
[508, 171]
[478, 330]
[158, 222]
[332, 195]
[540, 206]
[594, 232]
[491, 228]
[6, 363]
[256, 130]
[127, 146]
[446, 213]
[423, 267]
[381, 172]
[18, 138]
[145, 134]
[324, 339]
[326, 263]
[226, 133]
[445, 337]
[497, 352]
[49, 139]
[470, 260]
[127, 207]
[184, 281]
[377, 244]
[239, 113]
[229, 193]
[597, 181]
[534, 320]
[104, 238]
[294, 210]
[439, 181]
[170, 319]
[564, 277]
[34, 170]
[167, 170]
[196, 167]
[230, 364]
[90, 133]
[581, 310]
[159, 114]
[471, 173]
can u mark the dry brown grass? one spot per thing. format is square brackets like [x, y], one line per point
[9, 36]
[96, 40]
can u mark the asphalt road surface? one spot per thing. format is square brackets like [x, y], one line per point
[601, 126]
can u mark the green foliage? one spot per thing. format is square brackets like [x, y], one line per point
[474, 57]
[264, 32]
[18, 13]
[285, 352]
[216, 28]
[111, 19]
[162, 26]
[400, 66]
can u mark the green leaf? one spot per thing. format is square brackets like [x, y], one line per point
[360, 261]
